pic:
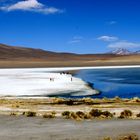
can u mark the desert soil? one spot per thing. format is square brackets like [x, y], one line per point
[23, 128]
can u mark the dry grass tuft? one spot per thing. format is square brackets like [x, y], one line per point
[126, 114]
[30, 114]
[80, 114]
[129, 137]
[102, 114]
[138, 115]
[72, 115]
[117, 99]
[13, 114]
[94, 113]
[107, 138]
[88, 101]
[66, 114]
[49, 115]
[135, 100]
[87, 116]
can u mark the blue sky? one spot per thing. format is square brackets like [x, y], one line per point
[79, 26]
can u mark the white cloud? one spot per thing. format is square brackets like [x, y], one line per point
[108, 38]
[124, 44]
[31, 5]
[76, 39]
[24, 5]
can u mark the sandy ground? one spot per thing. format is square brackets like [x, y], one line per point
[69, 63]
[22, 128]
[47, 105]
[42, 109]
[38, 128]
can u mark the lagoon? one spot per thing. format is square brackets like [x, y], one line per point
[122, 82]
[112, 81]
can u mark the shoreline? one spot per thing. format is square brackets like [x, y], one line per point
[41, 83]
[52, 69]
[43, 74]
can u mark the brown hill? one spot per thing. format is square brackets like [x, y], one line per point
[11, 52]
[11, 57]
[18, 53]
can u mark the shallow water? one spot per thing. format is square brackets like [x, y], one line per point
[112, 82]
[124, 83]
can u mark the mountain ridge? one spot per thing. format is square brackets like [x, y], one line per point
[21, 57]
[122, 51]
[8, 52]
[14, 52]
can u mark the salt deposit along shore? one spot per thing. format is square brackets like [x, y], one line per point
[46, 82]
[41, 83]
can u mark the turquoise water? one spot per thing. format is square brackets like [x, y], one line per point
[124, 83]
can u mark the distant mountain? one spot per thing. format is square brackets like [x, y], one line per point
[22, 53]
[22, 57]
[137, 52]
[12, 52]
[120, 51]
